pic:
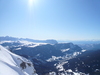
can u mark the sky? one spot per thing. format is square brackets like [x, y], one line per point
[50, 19]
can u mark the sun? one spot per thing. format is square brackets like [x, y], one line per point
[31, 2]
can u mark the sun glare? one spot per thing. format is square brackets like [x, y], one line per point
[31, 2]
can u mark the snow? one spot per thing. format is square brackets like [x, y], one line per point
[17, 48]
[31, 43]
[64, 50]
[97, 70]
[1, 42]
[66, 57]
[52, 73]
[76, 53]
[53, 58]
[60, 66]
[83, 50]
[10, 64]
[37, 44]
[26, 42]
[69, 70]
[34, 45]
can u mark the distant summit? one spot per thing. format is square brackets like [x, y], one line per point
[8, 38]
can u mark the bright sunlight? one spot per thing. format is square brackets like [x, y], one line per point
[31, 2]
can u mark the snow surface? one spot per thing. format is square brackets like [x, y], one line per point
[37, 44]
[10, 64]
[83, 50]
[64, 50]
[1, 42]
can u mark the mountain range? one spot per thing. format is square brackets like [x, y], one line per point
[8, 38]
[55, 58]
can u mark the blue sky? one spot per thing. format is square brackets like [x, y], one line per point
[51, 19]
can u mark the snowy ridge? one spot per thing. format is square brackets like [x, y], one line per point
[21, 43]
[12, 64]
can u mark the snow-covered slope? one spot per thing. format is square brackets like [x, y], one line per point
[12, 64]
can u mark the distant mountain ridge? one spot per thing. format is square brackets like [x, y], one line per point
[90, 46]
[8, 38]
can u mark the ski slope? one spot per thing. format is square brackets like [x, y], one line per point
[12, 64]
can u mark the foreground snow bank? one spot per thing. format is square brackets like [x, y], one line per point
[12, 64]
